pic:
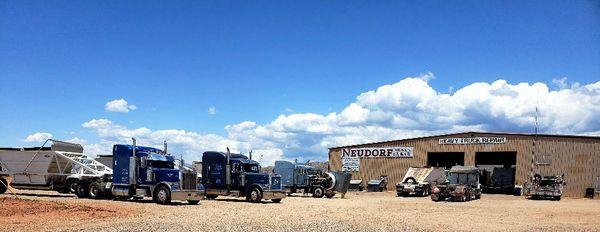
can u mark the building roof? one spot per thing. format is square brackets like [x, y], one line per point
[472, 133]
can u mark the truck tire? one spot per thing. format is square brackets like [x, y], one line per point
[82, 190]
[276, 200]
[557, 198]
[3, 185]
[95, 191]
[194, 202]
[73, 186]
[163, 195]
[318, 192]
[255, 195]
[211, 197]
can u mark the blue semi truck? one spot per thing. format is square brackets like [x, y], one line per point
[150, 172]
[229, 174]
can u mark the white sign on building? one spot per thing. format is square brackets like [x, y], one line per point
[350, 164]
[378, 152]
[473, 140]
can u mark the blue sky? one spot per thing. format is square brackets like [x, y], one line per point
[62, 61]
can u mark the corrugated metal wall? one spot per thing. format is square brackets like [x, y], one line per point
[578, 158]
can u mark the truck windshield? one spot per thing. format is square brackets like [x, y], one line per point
[547, 182]
[161, 164]
[251, 168]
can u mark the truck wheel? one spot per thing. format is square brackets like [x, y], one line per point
[95, 190]
[557, 198]
[398, 194]
[276, 200]
[3, 185]
[255, 195]
[193, 202]
[329, 193]
[211, 197]
[82, 190]
[163, 195]
[318, 192]
[73, 186]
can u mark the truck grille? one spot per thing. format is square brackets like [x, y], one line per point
[189, 181]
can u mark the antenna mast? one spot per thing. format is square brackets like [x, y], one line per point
[534, 140]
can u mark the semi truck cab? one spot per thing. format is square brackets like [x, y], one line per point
[229, 174]
[140, 171]
[307, 178]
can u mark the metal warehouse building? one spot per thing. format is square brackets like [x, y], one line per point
[577, 157]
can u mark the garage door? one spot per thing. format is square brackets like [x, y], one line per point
[445, 159]
[497, 171]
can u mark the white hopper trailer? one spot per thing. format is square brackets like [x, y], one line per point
[62, 167]
[418, 181]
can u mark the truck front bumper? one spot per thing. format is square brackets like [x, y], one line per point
[546, 194]
[187, 195]
[273, 194]
[412, 191]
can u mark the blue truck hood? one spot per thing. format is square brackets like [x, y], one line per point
[257, 178]
[165, 174]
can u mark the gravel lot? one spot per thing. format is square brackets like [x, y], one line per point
[39, 210]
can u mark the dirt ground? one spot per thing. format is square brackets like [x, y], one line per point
[44, 211]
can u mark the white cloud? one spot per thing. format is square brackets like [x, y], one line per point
[38, 137]
[181, 142]
[561, 83]
[408, 108]
[212, 110]
[119, 105]
[77, 141]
